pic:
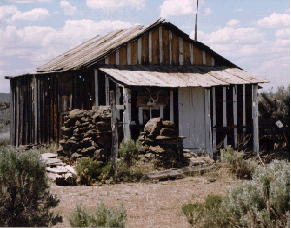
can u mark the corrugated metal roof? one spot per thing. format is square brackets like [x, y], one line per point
[179, 76]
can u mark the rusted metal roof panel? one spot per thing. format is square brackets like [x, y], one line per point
[179, 76]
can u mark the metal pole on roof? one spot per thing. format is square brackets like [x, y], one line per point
[196, 23]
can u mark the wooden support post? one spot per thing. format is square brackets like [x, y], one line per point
[235, 114]
[181, 51]
[161, 111]
[126, 113]
[255, 119]
[114, 146]
[17, 112]
[172, 105]
[150, 48]
[191, 54]
[11, 114]
[107, 91]
[128, 53]
[207, 122]
[224, 115]
[170, 46]
[96, 87]
[140, 116]
[117, 56]
[35, 110]
[161, 43]
[118, 95]
[214, 119]
[244, 112]
[203, 58]
[139, 50]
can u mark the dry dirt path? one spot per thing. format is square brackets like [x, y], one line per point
[147, 204]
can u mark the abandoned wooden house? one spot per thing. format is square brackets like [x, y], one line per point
[155, 71]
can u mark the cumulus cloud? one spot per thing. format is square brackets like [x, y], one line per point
[233, 23]
[114, 4]
[238, 10]
[275, 21]
[32, 15]
[68, 9]
[29, 1]
[182, 7]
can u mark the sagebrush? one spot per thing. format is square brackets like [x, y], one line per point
[25, 199]
[103, 216]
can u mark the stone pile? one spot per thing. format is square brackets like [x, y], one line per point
[87, 133]
[161, 143]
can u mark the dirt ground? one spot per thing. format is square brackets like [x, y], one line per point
[148, 204]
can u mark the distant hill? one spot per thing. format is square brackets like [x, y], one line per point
[4, 96]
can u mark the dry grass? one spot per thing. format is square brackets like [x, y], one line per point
[148, 204]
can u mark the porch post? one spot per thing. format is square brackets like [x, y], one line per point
[224, 116]
[207, 121]
[126, 113]
[255, 119]
[235, 114]
[96, 87]
[214, 120]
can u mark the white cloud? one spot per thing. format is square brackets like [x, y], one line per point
[32, 15]
[233, 23]
[7, 10]
[182, 7]
[283, 33]
[68, 9]
[29, 1]
[275, 21]
[238, 10]
[114, 4]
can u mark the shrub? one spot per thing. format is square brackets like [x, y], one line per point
[25, 199]
[90, 170]
[238, 165]
[104, 216]
[128, 150]
[262, 202]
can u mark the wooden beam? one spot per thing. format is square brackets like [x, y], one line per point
[35, 110]
[191, 54]
[172, 105]
[255, 119]
[207, 121]
[150, 48]
[96, 87]
[170, 46]
[224, 115]
[139, 51]
[118, 95]
[117, 56]
[181, 51]
[114, 141]
[235, 114]
[214, 120]
[128, 53]
[203, 58]
[161, 43]
[140, 115]
[244, 112]
[107, 91]
[126, 113]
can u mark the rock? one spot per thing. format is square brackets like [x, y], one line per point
[58, 170]
[103, 125]
[71, 169]
[90, 133]
[48, 155]
[89, 150]
[153, 126]
[168, 132]
[99, 153]
[78, 123]
[168, 124]
[76, 155]
[156, 149]
[86, 142]
[76, 113]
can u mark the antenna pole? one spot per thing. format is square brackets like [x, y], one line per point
[196, 23]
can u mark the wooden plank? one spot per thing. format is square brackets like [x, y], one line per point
[96, 87]
[255, 119]
[172, 105]
[107, 91]
[244, 111]
[214, 120]
[126, 113]
[212, 61]
[112, 58]
[133, 52]
[224, 115]
[140, 115]
[161, 44]
[11, 113]
[101, 62]
[170, 47]
[155, 46]
[166, 47]
[161, 111]
[123, 55]
[128, 53]
[235, 114]
[118, 95]
[203, 58]
[150, 48]
[117, 56]
[106, 60]
[181, 52]
[208, 59]
[145, 49]
[197, 56]
[35, 110]
[139, 51]
[186, 53]
[175, 49]
[207, 122]
[114, 141]
[191, 54]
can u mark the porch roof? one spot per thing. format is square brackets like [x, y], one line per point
[179, 76]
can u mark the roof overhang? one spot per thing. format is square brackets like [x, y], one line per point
[179, 76]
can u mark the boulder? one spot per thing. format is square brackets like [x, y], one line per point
[168, 124]
[153, 126]
[168, 132]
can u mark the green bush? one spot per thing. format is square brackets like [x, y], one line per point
[129, 150]
[238, 165]
[25, 199]
[104, 216]
[262, 202]
[90, 170]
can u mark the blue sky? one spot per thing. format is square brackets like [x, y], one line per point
[253, 34]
